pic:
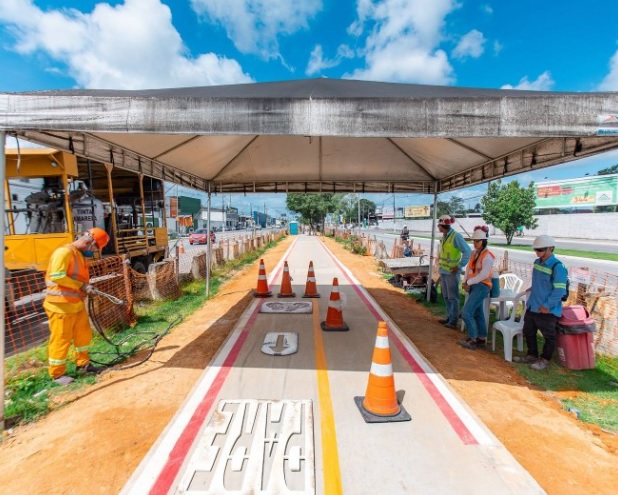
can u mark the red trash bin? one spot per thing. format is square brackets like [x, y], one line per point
[575, 343]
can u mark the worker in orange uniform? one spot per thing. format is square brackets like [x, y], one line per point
[68, 282]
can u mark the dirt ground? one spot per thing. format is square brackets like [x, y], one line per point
[98, 435]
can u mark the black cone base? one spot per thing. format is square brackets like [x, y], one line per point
[402, 415]
[326, 328]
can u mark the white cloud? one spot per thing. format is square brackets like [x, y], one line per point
[470, 45]
[487, 9]
[610, 82]
[128, 46]
[255, 26]
[542, 83]
[317, 62]
[497, 47]
[403, 40]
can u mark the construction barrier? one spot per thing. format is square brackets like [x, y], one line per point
[311, 289]
[286, 283]
[25, 320]
[262, 283]
[380, 403]
[334, 315]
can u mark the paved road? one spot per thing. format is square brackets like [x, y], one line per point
[603, 266]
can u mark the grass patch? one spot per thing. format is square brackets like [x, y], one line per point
[594, 255]
[29, 391]
[594, 397]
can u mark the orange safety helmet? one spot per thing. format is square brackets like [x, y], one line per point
[99, 236]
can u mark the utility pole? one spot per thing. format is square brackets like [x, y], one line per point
[394, 212]
[222, 213]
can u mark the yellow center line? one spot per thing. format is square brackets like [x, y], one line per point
[330, 452]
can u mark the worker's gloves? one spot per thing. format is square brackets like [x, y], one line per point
[88, 289]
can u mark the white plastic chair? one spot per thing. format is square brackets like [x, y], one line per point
[508, 281]
[510, 328]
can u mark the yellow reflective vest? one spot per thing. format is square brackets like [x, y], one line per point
[449, 254]
[66, 274]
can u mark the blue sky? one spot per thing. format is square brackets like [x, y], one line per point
[136, 44]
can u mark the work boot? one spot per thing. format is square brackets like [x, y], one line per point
[443, 321]
[541, 364]
[89, 368]
[64, 380]
[525, 359]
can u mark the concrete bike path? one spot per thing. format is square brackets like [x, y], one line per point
[261, 421]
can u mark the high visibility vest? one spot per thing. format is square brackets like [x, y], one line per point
[475, 265]
[77, 270]
[449, 254]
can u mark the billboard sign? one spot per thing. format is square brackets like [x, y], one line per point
[173, 207]
[601, 190]
[387, 213]
[417, 211]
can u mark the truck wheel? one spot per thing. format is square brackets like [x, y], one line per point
[139, 266]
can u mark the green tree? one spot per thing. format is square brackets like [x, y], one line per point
[507, 206]
[610, 170]
[454, 206]
[313, 207]
[349, 208]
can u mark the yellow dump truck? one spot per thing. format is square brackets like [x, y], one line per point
[51, 196]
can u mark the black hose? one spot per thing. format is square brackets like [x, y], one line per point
[150, 342]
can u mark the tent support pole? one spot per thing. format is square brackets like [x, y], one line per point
[2, 286]
[433, 241]
[209, 250]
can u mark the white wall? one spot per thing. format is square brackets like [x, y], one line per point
[599, 226]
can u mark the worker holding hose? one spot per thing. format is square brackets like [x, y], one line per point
[68, 282]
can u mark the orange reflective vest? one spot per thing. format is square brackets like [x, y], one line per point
[475, 265]
[77, 269]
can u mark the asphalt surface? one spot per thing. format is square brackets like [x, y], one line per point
[264, 421]
[602, 267]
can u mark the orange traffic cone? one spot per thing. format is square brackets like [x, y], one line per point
[262, 283]
[334, 316]
[380, 401]
[286, 283]
[311, 289]
[181, 250]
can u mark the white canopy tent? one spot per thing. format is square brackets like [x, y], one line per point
[317, 135]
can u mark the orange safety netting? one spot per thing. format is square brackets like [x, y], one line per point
[26, 324]
[25, 320]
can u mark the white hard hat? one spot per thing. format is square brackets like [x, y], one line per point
[543, 241]
[446, 220]
[480, 232]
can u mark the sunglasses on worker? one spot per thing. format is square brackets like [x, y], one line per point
[540, 250]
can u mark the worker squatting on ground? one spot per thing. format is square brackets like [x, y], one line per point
[544, 304]
[477, 283]
[68, 282]
[453, 258]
